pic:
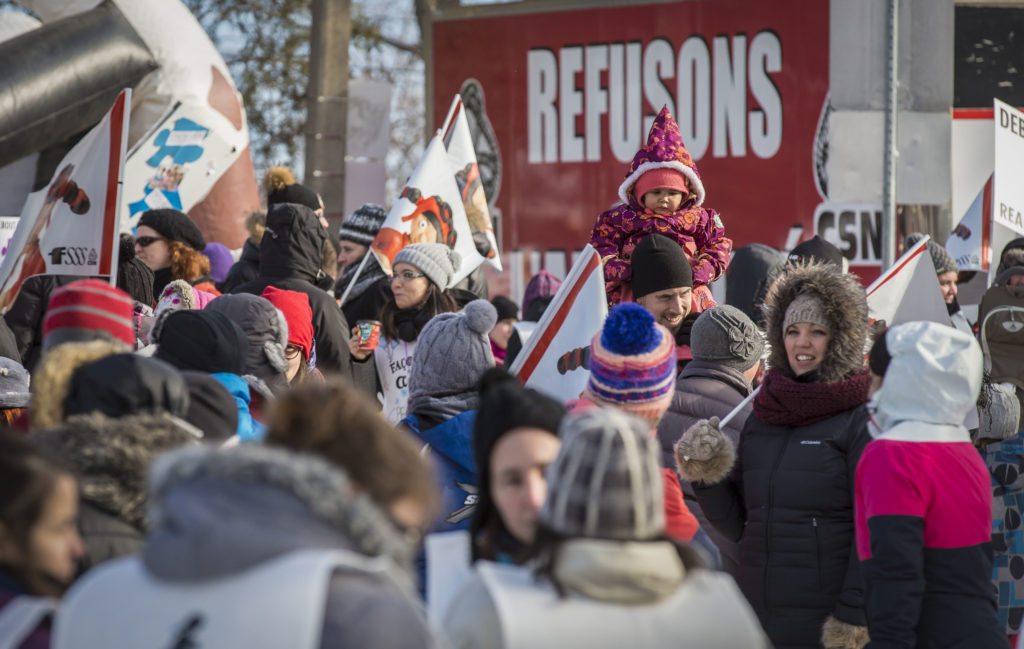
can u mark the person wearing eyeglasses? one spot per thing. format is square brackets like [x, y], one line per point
[299, 316]
[422, 271]
[169, 243]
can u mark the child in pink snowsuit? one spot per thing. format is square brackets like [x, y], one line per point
[662, 193]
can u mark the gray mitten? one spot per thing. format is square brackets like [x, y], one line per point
[704, 454]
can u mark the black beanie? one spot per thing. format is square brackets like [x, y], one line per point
[298, 194]
[134, 277]
[126, 384]
[174, 225]
[659, 264]
[506, 308]
[211, 408]
[505, 405]
[816, 249]
[878, 357]
[203, 341]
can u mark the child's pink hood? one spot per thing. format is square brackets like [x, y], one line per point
[664, 149]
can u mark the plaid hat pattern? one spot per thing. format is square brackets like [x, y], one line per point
[88, 309]
[606, 482]
[633, 363]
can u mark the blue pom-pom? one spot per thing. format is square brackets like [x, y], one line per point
[629, 330]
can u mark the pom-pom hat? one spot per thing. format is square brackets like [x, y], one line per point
[633, 363]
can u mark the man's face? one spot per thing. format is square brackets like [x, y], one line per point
[947, 283]
[668, 307]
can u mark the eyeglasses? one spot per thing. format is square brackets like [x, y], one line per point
[145, 242]
[291, 351]
[407, 276]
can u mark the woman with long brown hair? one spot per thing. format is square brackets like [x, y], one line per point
[169, 243]
[418, 293]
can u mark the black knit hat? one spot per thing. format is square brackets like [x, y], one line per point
[506, 308]
[363, 225]
[816, 249]
[204, 341]
[505, 405]
[658, 264]
[134, 277]
[879, 357]
[298, 194]
[211, 408]
[174, 225]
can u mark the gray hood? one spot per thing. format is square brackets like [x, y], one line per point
[218, 512]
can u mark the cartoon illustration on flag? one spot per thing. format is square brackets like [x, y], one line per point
[556, 358]
[175, 164]
[908, 291]
[429, 210]
[459, 143]
[70, 226]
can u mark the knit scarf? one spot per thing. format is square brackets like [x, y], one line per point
[410, 322]
[372, 273]
[435, 409]
[783, 401]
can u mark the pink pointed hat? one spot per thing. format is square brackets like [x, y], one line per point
[664, 150]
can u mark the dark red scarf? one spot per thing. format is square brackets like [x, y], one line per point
[783, 401]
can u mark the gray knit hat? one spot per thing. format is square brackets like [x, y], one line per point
[452, 354]
[940, 257]
[807, 307]
[606, 482]
[363, 225]
[14, 389]
[724, 335]
[435, 260]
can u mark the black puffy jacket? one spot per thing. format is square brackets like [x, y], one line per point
[246, 269]
[290, 259]
[789, 504]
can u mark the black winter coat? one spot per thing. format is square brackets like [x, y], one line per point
[25, 317]
[789, 503]
[705, 390]
[290, 259]
[246, 269]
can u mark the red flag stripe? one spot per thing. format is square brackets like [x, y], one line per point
[556, 323]
[113, 171]
[896, 270]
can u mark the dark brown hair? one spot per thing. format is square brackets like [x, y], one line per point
[437, 301]
[187, 263]
[29, 479]
[334, 421]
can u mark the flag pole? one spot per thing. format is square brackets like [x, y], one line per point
[348, 289]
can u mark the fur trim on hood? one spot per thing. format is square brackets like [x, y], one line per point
[845, 308]
[52, 377]
[325, 489]
[110, 457]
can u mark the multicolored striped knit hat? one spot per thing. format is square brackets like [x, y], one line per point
[88, 309]
[633, 364]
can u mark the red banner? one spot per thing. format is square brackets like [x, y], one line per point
[571, 95]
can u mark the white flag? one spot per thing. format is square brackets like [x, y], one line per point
[556, 358]
[429, 210]
[462, 156]
[179, 161]
[71, 226]
[970, 240]
[909, 291]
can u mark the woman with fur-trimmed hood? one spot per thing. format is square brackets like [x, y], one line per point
[786, 494]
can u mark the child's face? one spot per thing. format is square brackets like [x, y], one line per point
[663, 200]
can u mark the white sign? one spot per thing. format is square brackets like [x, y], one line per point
[178, 162]
[854, 228]
[1008, 194]
[556, 357]
[70, 226]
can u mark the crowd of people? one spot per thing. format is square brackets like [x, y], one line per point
[296, 448]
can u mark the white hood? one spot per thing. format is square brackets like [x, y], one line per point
[934, 378]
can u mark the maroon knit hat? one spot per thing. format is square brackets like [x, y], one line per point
[88, 309]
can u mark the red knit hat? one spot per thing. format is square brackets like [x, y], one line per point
[87, 310]
[663, 177]
[298, 315]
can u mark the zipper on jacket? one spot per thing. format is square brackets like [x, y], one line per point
[817, 545]
[768, 523]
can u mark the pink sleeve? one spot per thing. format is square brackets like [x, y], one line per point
[713, 249]
[607, 238]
